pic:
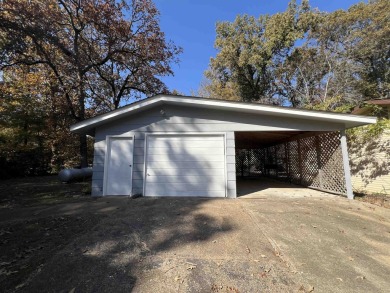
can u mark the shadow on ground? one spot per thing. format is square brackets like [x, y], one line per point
[163, 245]
[271, 244]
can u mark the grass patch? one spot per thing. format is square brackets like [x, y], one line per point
[376, 199]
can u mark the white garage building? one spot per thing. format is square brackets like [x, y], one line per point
[189, 146]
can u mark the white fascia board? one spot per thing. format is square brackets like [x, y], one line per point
[88, 123]
[274, 110]
[347, 119]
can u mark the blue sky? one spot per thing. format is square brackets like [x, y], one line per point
[191, 25]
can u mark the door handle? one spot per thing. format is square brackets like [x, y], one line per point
[130, 165]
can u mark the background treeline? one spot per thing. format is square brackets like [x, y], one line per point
[304, 57]
[63, 61]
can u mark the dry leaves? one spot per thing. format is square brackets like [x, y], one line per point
[179, 279]
[360, 277]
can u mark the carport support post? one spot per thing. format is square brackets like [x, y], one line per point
[347, 171]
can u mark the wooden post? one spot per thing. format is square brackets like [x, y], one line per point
[347, 171]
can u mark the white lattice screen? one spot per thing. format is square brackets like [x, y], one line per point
[314, 161]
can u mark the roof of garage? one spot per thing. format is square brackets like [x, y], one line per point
[244, 107]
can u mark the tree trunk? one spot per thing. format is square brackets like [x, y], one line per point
[83, 151]
[83, 137]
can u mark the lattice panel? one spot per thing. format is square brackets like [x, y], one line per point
[250, 162]
[294, 162]
[332, 169]
[314, 161]
[259, 156]
[281, 162]
[309, 164]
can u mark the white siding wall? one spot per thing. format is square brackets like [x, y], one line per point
[189, 119]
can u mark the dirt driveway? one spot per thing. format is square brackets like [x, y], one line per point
[199, 245]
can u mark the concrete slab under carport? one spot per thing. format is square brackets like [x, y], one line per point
[263, 187]
[298, 156]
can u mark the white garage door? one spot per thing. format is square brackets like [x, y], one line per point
[185, 165]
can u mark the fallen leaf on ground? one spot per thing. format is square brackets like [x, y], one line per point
[19, 286]
[339, 279]
[191, 267]
[310, 289]
[170, 269]
[263, 256]
[360, 277]
[6, 272]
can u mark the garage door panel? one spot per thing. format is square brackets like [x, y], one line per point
[191, 179]
[184, 138]
[185, 165]
[184, 151]
[187, 186]
[197, 193]
[185, 144]
[164, 172]
[201, 157]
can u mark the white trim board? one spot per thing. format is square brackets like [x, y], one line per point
[348, 120]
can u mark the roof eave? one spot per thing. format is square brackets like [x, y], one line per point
[347, 119]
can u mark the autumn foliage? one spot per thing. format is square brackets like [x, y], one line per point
[68, 60]
[304, 57]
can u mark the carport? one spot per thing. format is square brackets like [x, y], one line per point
[314, 159]
[195, 147]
